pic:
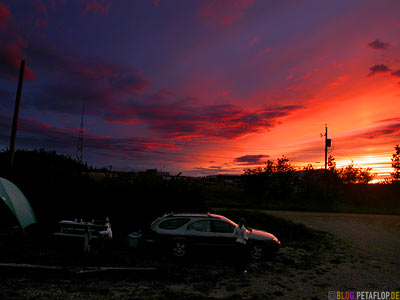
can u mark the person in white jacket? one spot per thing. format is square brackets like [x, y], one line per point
[240, 233]
[108, 231]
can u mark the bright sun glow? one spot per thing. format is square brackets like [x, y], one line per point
[381, 165]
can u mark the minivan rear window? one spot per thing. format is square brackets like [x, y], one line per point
[173, 223]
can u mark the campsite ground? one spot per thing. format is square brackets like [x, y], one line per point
[330, 263]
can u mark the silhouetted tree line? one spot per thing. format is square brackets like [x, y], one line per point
[59, 187]
[281, 180]
[279, 185]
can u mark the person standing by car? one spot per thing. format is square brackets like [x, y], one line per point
[108, 232]
[240, 233]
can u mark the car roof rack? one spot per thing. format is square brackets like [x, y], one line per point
[190, 214]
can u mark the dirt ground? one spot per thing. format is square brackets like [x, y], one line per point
[337, 263]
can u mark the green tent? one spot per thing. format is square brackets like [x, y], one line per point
[17, 202]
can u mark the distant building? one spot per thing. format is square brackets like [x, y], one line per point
[154, 172]
[231, 179]
[97, 176]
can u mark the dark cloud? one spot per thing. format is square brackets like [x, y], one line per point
[392, 120]
[187, 119]
[213, 170]
[388, 130]
[378, 133]
[396, 73]
[378, 69]
[92, 81]
[93, 70]
[113, 91]
[377, 44]
[32, 132]
[251, 159]
[383, 69]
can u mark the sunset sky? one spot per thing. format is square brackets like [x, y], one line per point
[204, 86]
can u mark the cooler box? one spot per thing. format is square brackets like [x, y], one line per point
[133, 239]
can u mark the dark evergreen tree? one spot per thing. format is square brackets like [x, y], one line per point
[396, 164]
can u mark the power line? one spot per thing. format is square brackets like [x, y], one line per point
[288, 149]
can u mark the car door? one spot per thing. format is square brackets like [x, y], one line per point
[199, 233]
[223, 233]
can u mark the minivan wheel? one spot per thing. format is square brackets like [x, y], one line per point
[257, 251]
[179, 248]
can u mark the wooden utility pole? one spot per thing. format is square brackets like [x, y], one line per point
[16, 112]
[328, 143]
[326, 148]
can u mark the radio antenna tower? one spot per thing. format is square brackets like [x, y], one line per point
[79, 148]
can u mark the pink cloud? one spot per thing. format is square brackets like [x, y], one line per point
[265, 51]
[295, 88]
[178, 119]
[224, 12]
[338, 81]
[10, 59]
[95, 71]
[4, 12]
[156, 3]
[41, 22]
[101, 7]
[254, 41]
[223, 93]
[39, 6]
[4, 15]
[54, 3]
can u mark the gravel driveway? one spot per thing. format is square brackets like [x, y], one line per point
[375, 235]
